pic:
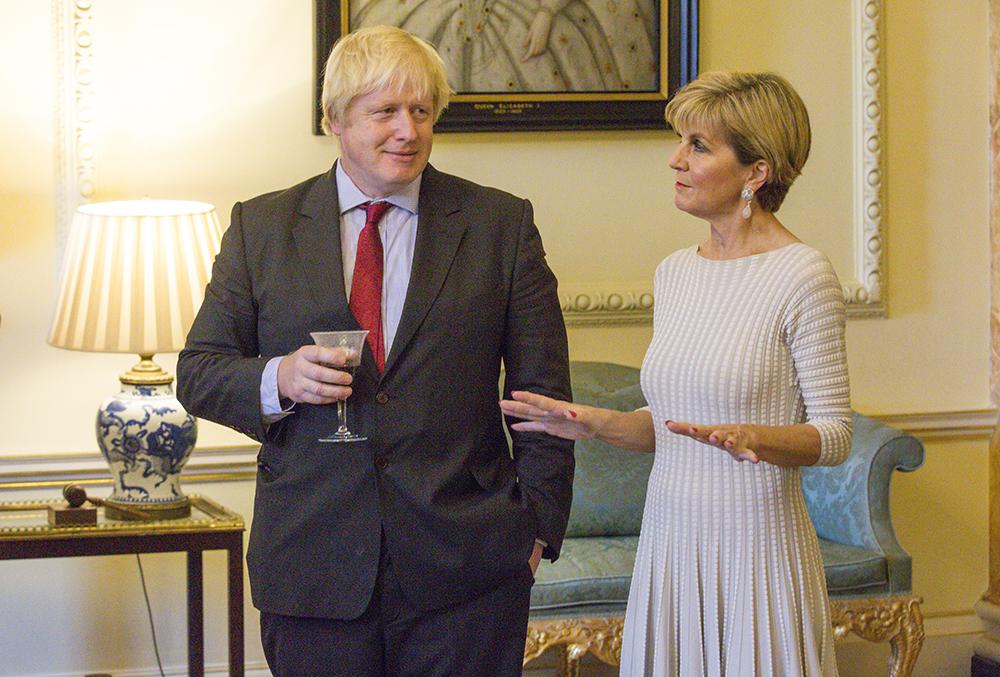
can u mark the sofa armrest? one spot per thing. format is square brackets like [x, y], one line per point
[849, 503]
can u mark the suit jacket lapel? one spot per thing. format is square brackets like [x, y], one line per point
[317, 238]
[439, 232]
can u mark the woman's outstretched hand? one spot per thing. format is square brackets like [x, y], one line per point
[739, 441]
[555, 417]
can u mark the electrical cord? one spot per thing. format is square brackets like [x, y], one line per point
[149, 612]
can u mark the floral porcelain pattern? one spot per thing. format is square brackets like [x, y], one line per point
[146, 437]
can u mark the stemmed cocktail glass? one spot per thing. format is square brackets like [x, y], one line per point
[353, 343]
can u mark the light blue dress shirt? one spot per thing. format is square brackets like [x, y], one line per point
[398, 229]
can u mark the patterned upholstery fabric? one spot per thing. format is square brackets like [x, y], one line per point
[849, 503]
[609, 489]
[591, 572]
[849, 506]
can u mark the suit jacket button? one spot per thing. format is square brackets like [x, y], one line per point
[381, 463]
[382, 398]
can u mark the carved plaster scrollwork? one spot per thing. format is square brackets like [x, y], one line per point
[607, 307]
[73, 20]
[865, 295]
[865, 291]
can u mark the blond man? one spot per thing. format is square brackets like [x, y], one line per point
[411, 552]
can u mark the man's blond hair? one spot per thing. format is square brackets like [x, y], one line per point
[377, 58]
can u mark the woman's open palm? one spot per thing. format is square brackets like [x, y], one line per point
[544, 414]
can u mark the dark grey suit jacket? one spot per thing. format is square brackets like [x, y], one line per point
[459, 514]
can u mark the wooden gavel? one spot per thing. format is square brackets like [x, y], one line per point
[76, 496]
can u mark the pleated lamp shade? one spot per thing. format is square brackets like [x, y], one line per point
[134, 275]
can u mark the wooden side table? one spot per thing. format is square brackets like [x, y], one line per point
[26, 534]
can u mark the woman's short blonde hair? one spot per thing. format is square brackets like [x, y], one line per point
[377, 58]
[762, 116]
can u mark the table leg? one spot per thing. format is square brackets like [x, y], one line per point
[196, 623]
[236, 608]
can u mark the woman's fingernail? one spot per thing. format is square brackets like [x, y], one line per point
[572, 413]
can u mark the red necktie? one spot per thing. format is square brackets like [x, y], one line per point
[366, 287]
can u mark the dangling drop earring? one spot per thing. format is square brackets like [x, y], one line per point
[746, 194]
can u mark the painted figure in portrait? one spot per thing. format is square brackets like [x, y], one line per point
[507, 46]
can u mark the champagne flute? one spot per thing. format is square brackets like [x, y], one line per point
[353, 343]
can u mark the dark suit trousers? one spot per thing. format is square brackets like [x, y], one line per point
[392, 638]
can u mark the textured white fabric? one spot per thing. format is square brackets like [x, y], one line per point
[728, 578]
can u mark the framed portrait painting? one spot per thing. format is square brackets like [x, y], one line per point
[538, 64]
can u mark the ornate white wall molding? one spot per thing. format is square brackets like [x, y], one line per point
[865, 291]
[74, 43]
[969, 424]
[865, 295]
[592, 307]
[53, 470]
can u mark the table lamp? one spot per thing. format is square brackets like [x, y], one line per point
[132, 281]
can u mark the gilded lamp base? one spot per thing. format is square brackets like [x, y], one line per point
[118, 510]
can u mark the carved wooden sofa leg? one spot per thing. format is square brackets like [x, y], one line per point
[569, 659]
[896, 619]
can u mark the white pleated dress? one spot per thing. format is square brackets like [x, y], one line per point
[728, 577]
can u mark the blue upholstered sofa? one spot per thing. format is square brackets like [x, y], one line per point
[578, 602]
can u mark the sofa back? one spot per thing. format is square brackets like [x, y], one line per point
[609, 489]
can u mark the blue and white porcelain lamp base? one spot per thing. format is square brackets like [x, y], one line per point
[146, 438]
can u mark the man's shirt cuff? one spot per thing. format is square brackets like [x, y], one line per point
[270, 405]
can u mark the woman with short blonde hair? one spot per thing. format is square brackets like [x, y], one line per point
[763, 118]
[746, 380]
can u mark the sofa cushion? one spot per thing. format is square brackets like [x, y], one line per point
[851, 571]
[590, 572]
[609, 488]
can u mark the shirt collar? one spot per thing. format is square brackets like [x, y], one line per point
[350, 196]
